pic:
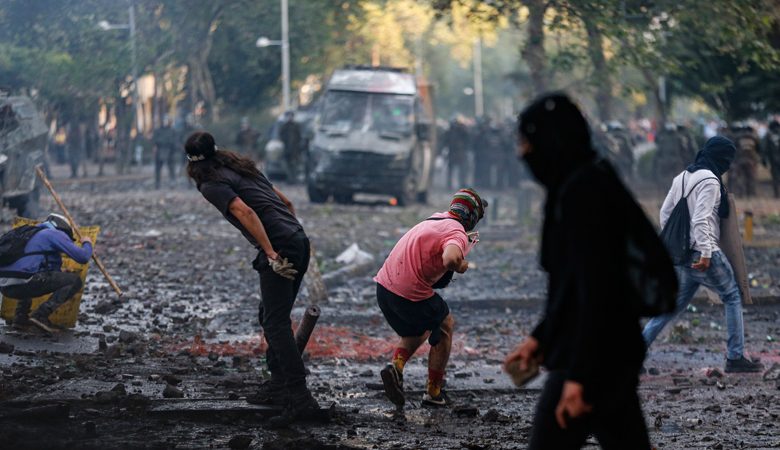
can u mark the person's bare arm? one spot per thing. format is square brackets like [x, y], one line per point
[285, 200]
[253, 225]
[453, 259]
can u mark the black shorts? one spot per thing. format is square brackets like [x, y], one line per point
[409, 318]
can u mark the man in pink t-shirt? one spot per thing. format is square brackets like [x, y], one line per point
[424, 259]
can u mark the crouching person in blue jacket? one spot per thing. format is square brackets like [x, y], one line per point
[38, 271]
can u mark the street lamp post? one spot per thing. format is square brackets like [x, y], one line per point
[134, 61]
[285, 46]
[285, 57]
[479, 99]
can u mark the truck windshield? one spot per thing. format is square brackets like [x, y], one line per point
[345, 111]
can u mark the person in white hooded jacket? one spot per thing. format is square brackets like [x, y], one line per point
[707, 204]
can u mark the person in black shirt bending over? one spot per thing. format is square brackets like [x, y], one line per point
[266, 218]
[589, 339]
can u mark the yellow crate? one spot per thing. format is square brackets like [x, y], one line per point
[67, 314]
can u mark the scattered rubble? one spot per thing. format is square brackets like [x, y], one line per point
[240, 442]
[168, 337]
[172, 392]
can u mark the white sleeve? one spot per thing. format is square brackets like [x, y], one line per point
[669, 203]
[707, 197]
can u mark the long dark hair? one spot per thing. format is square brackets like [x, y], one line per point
[201, 144]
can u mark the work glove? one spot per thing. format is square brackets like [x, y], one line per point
[283, 268]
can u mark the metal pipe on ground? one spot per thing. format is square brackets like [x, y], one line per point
[306, 327]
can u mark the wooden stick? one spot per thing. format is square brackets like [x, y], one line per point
[76, 230]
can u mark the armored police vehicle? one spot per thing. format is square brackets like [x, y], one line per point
[373, 135]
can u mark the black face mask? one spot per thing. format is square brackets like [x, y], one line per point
[539, 166]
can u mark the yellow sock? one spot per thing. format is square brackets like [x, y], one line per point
[435, 380]
[433, 389]
[399, 359]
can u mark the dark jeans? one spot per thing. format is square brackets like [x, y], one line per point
[719, 278]
[284, 361]
[775, 181]
[64, 285]
[616, 420]
[293, 163]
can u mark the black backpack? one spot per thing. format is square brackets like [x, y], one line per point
[13, 243]
[650, 282]
[677, 230]
[651, 279]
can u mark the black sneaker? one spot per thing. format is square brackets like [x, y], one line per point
[743, 365]
[393, 381]
[269, 393]
[440, 401]
[300, 405]
[22, 322]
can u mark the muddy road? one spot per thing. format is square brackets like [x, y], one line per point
[168, 365]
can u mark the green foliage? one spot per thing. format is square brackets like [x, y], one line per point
[725, 52]
[247, 77]
[55, 48]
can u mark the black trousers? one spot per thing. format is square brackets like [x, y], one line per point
[64, 285]
[616, 419]
[164, 156]
[776, 182]
[284, 361]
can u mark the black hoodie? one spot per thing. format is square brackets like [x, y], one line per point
[590, 330]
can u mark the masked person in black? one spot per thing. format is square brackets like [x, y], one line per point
[587, 319]
[266, 218]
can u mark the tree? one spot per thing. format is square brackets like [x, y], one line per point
[57, 50]
[531, 11]
[247, 77]
[734, 67]
[706, 50]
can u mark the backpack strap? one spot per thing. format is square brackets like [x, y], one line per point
[694, 186]
[443, 218]
[15, 274]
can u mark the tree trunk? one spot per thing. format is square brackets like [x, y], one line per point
[601, 76]
[660, 106]
[533, 52]
[122, 142]
[201, 82]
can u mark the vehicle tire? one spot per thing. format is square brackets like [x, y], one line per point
[344, 198]
[316, 195]
[408, 194]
